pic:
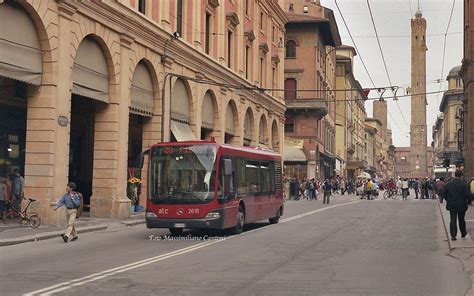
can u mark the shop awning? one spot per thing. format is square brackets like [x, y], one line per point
[20, 52]
[182, 131]
[141, 92]
[294, 154]
[89, 73]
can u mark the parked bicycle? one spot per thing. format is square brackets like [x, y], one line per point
[11, 215]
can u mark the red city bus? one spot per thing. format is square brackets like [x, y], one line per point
[205, 185]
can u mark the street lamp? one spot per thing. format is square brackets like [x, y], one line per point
[174, 36]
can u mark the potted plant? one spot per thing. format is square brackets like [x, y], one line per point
[133, 185]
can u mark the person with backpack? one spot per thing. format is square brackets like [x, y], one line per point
[311, 189]
[458, 197]
[327, 187]
[72, 201]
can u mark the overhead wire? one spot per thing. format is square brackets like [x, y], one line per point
[362, 60]
[384, 62]
[444, 49]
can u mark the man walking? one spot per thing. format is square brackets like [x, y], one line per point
[18, 188]
[457, 196]
[440, 188]
[71, 200]
[327, 187]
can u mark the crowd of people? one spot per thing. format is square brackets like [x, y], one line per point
[310, 189]
[11, 190]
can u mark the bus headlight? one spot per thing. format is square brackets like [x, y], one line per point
[213, 215]
[150, 215]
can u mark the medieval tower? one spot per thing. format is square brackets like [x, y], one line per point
[418, 133]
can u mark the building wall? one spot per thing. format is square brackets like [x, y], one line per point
[467, 73]
[63, 25]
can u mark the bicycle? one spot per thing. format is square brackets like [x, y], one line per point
[11, 214]
[391, 193]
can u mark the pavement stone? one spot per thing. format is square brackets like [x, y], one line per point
[12, 234]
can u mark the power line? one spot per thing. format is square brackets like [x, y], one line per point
[411, 12]
[403, 36]
[444, 48]
[353, 42]
[383, 59]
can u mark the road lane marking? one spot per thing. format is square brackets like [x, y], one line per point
[317, 211]
[107, 273]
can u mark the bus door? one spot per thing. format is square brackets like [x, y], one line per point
[253, 198]
[266, 193]
[227, 195]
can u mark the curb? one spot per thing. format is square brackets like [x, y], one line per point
[446, 229]
[133, 223]
[47, 235]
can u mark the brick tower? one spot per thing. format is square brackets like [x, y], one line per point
[418, 141]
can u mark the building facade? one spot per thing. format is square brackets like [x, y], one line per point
[377, 168]
[467, 74]
[87, 85]
[311, 35]
[350, 114]
[447, 131]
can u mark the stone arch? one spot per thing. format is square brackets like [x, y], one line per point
[182, 115]
[108, 41]
[232, 124]
[154, 81]
[209, 115]
[263, 130]
[275, 136]
[249, 128]
[34, 10]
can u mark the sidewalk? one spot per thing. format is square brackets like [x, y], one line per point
[467, 242]
[15, 233]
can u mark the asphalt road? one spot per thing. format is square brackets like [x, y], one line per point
[351, 247]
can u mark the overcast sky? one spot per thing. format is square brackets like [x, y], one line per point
[392, 18]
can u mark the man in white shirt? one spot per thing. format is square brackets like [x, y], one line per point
[405, 188]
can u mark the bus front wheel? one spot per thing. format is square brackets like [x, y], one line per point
[239, 227]
[176, 231]
[275, 219]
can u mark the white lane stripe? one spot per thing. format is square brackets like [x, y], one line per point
[106, 273]
[115, 269]
[316, 211]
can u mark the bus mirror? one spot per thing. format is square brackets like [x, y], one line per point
[227, 167]
[141, 159]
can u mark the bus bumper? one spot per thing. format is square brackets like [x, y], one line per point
[203, 223]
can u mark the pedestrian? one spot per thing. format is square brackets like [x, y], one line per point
[18, 189]
[327, 187]
[72, 201]
[457, 196]
[312, 189]
[3, 194]
[440, 188]
[405, 189]
[416, 187]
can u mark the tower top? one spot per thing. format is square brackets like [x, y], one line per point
[418, 14]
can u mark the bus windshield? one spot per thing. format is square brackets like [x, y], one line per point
[183, 174]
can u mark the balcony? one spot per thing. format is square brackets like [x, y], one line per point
[318, 106]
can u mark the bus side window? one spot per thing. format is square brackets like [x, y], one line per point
[252, 177]
[240, 177]
[265, 177]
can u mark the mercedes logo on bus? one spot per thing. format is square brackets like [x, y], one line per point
[180, 212]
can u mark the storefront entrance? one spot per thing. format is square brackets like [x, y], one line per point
[13, 109]
[81, 153]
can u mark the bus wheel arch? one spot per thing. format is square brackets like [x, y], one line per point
[240, 220]
[276, 219]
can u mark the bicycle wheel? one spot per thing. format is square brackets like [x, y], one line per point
[9, 218]
[34, 221]
[386, 194]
